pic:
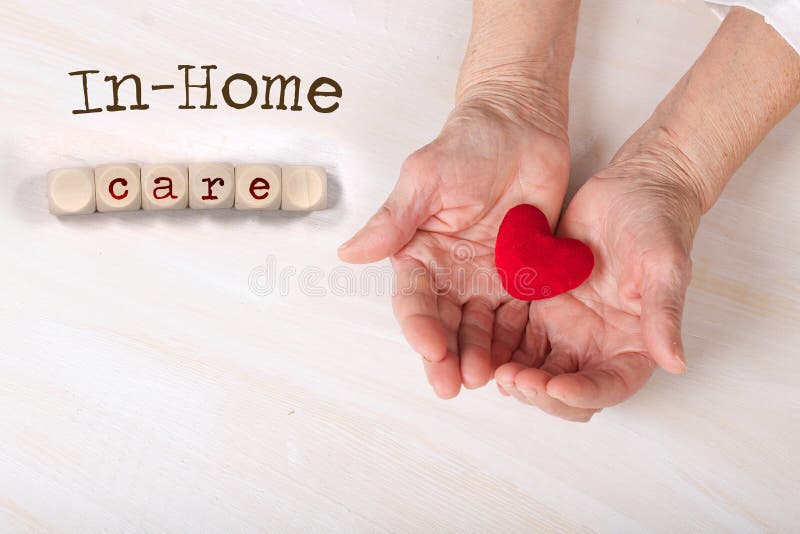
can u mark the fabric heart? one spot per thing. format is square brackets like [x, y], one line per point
[534, 265]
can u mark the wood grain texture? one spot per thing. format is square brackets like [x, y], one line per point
[149, 383]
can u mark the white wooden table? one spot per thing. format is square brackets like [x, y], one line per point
[149, 383]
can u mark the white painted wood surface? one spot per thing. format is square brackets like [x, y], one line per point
[146, 386]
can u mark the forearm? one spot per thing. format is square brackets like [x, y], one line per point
[519, 57]
[744, 83]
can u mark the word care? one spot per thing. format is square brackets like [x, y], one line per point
[164, 186]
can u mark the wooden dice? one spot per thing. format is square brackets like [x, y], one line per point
[211, 186]
[305, 188]
[258, 187]
[165, 186]
[71, 191]
[118, 187]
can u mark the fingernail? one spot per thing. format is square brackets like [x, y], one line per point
[677, 354]
[346, 244]
[507, 385]
[529, 393]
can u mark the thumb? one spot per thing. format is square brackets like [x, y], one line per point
[662, 312]
[393, 225]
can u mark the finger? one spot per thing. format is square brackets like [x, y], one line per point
[517, 394]
[533, 384]
[506, 374]
[415, 307]
[410, 204]
[475, 343]
[535, 345]
[509, 326]
[662, 313]
[525, 383]
[450, 314]
[504, 377]
[611, 383]
[444, 376]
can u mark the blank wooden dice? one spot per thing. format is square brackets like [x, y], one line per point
[303, 188]
[165, 186]
[211, 185]
[258, 187]
[71, 191]
[118, 187]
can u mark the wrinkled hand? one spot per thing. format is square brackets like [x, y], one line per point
[597, 345]
[439, 226]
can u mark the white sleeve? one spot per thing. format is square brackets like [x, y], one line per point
[783, 15]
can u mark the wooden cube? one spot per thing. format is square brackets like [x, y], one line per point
[165, 186]
[70, 191]
[258, 187]
[211, 185]
[303, 188]
[118, 187]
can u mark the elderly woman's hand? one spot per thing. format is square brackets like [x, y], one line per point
[439, 226]
[598, 344]
[504, 143]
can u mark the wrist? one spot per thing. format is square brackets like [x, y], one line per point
[526, 101]
[741, 86]
[518, 60]
[654, 160]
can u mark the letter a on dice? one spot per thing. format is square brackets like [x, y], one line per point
[165, 186]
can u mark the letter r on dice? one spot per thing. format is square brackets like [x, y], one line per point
[211, 185]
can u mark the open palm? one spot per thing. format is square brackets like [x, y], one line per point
[598, 344]
[439, 227]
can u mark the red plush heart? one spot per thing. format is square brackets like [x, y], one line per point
[533, 264]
